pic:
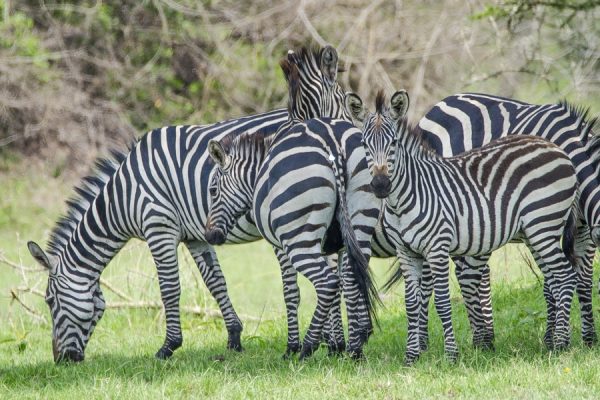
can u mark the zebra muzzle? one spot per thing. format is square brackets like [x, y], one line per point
[215, 236]
[381, 186]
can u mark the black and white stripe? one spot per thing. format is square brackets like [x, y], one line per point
[520, 187]
[299, 186]
[465, 121]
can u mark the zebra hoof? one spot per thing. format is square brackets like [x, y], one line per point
[234, 341]
[590, 339]
[452, 356]
[410, 358]
[335, 349]
[167, 349]
[356, 354]
[308, 349]
[291, 350]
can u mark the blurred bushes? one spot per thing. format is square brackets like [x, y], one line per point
[76, 77]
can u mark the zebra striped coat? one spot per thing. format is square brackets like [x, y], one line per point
[158, 191]
[296, 188]
[466, 121]
[467, 205]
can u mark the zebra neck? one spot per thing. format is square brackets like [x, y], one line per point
[94, 241]
[407, 184]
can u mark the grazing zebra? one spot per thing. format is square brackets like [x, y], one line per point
[462, 122]
[469, 205]
[158, 192]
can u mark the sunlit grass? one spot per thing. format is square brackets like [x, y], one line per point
[119, 359]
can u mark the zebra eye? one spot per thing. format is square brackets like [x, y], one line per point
[212, 190]
[49, 300]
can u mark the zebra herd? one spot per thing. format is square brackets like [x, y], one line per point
[327, 181]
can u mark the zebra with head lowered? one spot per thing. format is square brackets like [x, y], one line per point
[468, 205]
[157, 192]
[306, 188]
[466, 121]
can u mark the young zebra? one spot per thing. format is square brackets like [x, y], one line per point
[158, 192]
[466, 121]
[467, 205]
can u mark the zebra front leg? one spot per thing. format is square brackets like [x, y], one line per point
[291, 297]
[585, 250]
[164, 252]
[208, 265]
[412, 270]
[438, 262]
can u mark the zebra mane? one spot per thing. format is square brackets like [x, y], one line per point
[85, 192]
[586, 126]
[413, 140]
[253, 141]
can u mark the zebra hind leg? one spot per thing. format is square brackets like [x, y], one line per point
[585, 250]
[291, 297]
[473, 275]
[327, 286]
[561, 280]
[208, 265]
[333, 332]
[164, 252]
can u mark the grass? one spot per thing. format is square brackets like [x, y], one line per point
[119, 359]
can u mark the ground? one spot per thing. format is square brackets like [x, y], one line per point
[119, 359]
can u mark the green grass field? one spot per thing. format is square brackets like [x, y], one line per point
[119, 358]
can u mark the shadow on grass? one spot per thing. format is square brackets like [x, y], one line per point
[520, 323]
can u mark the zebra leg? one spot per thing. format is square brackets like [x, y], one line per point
[327, 285]
[585, 250]
[208, 265]
[426, 284]
[164, 252]
[359, 320]
[412, 270]
[473, 276]
[550, 301]
[291, 296]
[333, 332]
[438, 262]
[561, 279]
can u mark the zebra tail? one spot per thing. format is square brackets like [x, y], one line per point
[569, 233]
[395, 278]
[356, 259]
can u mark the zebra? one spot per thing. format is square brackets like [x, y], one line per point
[467, 205]
[466, 121]
[156, 191]
[295, 184]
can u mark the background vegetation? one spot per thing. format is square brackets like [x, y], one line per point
[79, 77]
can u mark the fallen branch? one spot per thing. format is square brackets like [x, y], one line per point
[153, 305]
[29, 310]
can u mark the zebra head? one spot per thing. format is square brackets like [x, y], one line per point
[238, 160]
[312, 86]
[380, 135]
[75, 306]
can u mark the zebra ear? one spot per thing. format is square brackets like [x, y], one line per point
[355, 107]
[217, 152]
[329, 62]
[399, 104]
[39, 255]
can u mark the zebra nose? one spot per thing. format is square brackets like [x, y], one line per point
[381, 185]
[215, 236]
[70, 355]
